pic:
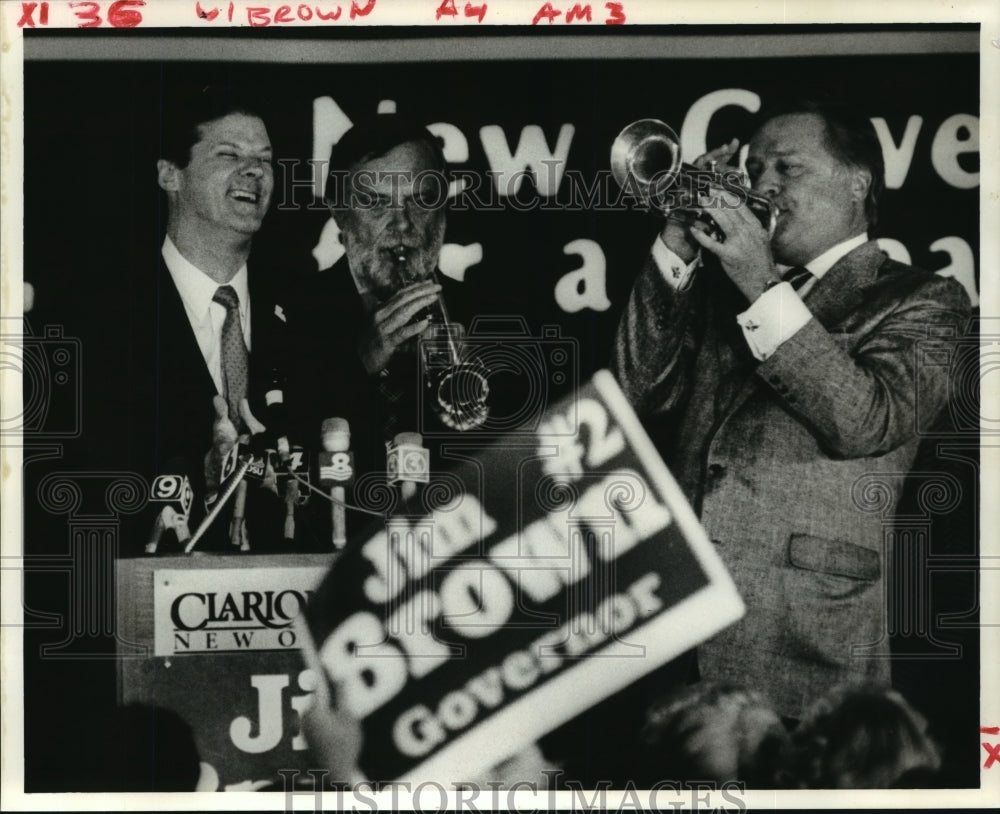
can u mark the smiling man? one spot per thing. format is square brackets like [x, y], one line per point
[778, 379]
[218, 185]
[191, 317]
[215, 326]
[157, 347]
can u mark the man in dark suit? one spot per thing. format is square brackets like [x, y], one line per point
[356, 326]
[781, 383]
[152, 362]
[197, 332]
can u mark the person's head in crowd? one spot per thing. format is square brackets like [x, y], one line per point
[215, 167]
[147, 748]
[863, 738]
[387, 190]
[717, 731]
[822, 166]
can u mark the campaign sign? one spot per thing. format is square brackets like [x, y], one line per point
[546, 575]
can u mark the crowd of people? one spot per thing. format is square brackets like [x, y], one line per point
[719, 733]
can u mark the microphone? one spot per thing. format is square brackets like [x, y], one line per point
[226, 472]
[254, 456]
[292, 471]
[172, 490]
[407, 462]
[215, 503]
[336, 470]
[276, 414]
[242, 461]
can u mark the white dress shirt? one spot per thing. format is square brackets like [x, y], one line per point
[777, 314]
[206, 316]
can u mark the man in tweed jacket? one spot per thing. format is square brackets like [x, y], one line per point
[789, 413]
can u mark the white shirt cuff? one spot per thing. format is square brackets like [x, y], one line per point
[773, 318]
[677, 274]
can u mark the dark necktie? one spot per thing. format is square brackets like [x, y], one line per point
[798, 276]
[234, 354]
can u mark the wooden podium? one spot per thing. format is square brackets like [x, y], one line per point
[221, 651]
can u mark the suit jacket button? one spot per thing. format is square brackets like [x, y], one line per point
[715, 470]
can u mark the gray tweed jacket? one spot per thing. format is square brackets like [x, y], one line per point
[795, 464]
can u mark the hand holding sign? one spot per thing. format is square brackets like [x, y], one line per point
[333, 734]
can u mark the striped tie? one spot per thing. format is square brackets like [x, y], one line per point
[798, 276]
[235, 358]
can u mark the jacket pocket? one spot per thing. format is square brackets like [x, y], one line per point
[831, 603]
[835, 557]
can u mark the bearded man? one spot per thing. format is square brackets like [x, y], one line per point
[356, 326]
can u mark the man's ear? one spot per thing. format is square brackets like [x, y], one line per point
[861, 182]
[167, 175]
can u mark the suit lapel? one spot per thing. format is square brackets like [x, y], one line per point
[840, 291]
[177, 349]
[180, 384]
[262, 305]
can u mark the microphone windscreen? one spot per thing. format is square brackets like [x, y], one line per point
[335, 425]
[336, 435]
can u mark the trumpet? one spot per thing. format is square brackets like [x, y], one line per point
[458, 387]
[646, 160]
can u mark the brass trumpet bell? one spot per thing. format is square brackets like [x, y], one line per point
[458, 385]
[646, 161]
[645, 158]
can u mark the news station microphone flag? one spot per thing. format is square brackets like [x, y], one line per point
[407, 462]
[171, 492]
[336, 470]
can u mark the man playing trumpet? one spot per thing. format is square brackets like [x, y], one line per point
[778, 379]
[356, 326]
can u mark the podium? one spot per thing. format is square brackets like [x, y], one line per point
[217, 646]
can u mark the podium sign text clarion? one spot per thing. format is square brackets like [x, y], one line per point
[229, 609]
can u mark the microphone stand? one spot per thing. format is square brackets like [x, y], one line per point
[228, 492]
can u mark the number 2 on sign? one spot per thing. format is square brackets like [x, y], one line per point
[603, 443]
